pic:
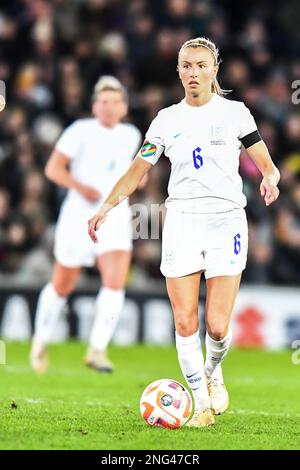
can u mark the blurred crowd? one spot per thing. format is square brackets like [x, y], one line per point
[52, 53]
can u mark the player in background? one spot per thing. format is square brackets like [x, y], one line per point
[205, 229]
[89, 157]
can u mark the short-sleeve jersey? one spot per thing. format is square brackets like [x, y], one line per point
[98, 155]
[203, 144]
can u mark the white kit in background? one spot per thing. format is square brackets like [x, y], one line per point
[98, 160]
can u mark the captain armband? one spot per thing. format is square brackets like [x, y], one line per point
[251, 139]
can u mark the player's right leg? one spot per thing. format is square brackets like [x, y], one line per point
[113, 267]
[113, 257]
[51, 303]
[184, 293]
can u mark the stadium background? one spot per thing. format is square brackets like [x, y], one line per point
[51, 54]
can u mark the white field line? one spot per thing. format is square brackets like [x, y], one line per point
[91, 402]
[251, 380]
[105, 404]
[52, 371]
[66, 371]
[33, 401]
[15, 369]
[263, 413]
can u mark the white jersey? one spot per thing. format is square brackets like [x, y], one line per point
[99, 157]
[203, 145]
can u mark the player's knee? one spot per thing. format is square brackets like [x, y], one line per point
[216, 331]
[65, 289]
[186, 325]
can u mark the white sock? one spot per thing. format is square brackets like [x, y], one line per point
[215, 353]
[192, 365]
[49, 308]
[109, 304]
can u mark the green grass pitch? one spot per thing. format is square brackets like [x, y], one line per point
[72, 407]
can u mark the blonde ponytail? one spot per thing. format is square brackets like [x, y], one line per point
[216, 88]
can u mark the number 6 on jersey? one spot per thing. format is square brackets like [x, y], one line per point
[237, 244]
[198, 160]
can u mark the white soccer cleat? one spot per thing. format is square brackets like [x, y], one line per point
[98, 360]
[217, 392]
[201, 419]
[39, 358]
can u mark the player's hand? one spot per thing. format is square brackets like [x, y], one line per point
[91, 194]
[93, 224]
[268, 191]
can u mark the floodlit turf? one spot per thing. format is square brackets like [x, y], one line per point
[72, 407]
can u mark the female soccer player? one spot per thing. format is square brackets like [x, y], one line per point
[205, 227]
[88, 159]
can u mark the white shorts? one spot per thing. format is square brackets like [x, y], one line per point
[214, 243]
[72, 244]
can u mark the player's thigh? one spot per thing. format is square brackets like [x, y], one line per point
[221, 293]
[183, 243]
[184, 297]
[227, 235]
[113, 267]
[64, 278]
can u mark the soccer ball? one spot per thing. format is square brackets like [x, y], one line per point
[166, 403]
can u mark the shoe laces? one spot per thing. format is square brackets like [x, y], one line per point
[198, 412]
[215, 383]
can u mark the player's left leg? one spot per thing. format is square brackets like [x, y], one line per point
[221, 292]
[113, 267]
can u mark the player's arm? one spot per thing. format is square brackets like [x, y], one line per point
[259, 153]
[143, 182]
[57, 171]
[124, 187]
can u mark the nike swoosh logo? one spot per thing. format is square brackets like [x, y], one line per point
[177, 135]
[189, 376]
